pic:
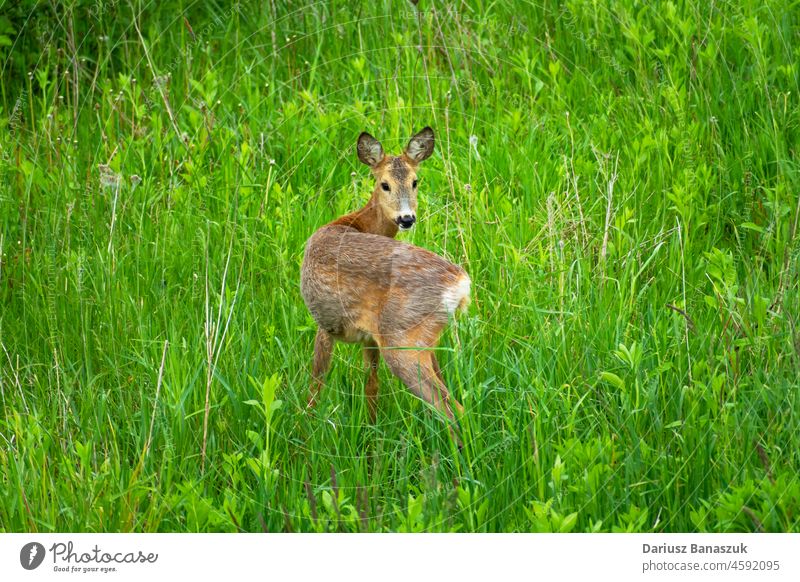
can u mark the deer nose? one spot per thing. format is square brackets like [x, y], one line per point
[406, 221]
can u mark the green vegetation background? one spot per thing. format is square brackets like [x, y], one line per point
[620, 181]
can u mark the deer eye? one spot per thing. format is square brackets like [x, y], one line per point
[414, 184]
[385, 186]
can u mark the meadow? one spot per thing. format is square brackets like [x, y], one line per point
[619, 180]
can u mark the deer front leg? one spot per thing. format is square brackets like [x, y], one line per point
[323, 349]
[372, 359]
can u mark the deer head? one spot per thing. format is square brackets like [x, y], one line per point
[396, 176]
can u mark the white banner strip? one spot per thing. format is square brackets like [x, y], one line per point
[402, 557]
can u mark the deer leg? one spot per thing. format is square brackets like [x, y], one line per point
[415, 369]
[372, 359]
[323, 349]
[436, 367]
[440, 378]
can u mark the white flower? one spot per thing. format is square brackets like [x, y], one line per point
[108, 178]
[473, 141]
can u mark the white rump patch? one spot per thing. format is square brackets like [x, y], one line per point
[456, 296]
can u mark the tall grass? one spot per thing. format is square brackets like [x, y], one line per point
[621, 184]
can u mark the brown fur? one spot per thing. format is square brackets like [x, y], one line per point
[362, 286]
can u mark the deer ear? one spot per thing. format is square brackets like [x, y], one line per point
[369, 149]
[420, 147]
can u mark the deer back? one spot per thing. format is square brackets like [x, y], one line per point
[357, 284]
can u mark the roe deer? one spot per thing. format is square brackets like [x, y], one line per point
[362, 286]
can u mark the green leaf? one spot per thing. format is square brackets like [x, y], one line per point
[568, 523]
[612, 378]
[752, 226]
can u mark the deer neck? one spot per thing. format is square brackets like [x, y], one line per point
[369, 219]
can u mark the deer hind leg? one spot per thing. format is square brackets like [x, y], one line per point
[415, 369]
[371, 359]
[440, 378]
[323, 350]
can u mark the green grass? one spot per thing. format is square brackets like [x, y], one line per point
[628, 215]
